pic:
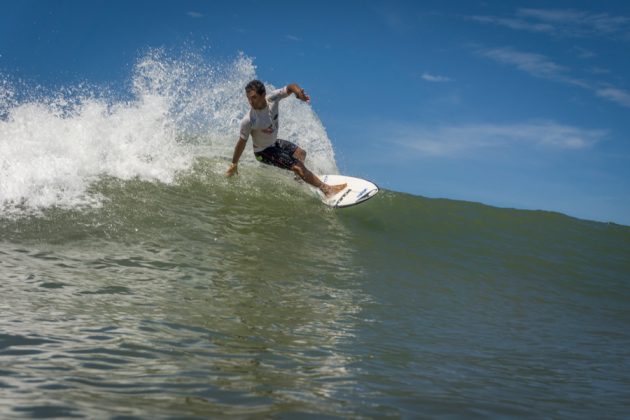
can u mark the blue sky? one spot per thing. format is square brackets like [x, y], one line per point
[513, 104]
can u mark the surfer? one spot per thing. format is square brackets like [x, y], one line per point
[262, 123]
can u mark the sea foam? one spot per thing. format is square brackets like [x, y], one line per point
[54, 146]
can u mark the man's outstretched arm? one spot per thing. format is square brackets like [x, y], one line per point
[238, 151]
[298, 91]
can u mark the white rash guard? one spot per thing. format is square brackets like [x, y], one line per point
[263, 124]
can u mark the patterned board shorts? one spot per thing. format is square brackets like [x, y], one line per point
[279, 154]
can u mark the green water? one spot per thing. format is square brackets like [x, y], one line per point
[248, 298]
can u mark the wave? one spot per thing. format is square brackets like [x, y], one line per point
[55, 146]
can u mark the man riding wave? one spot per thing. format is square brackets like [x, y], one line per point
[262, 123]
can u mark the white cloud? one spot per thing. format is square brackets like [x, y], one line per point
[434, 78]
[553, 15]
[579, 23]
[620, 96]
[598, 70]
[583, 52]
[194, 14]
[561, 22]
[477, 139]
[535, 64]
[517, 24]
[294, 38]
[540, 66]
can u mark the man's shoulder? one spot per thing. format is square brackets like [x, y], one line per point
[247, 118]
[278, 94]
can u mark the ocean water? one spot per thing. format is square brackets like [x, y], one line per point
[138, 282]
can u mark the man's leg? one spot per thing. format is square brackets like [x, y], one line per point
[294, 160]
[329, 190]
[300, 154]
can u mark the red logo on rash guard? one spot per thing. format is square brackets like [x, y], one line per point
[268, 130]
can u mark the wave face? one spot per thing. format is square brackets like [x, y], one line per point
[139, 282]
[55, 146]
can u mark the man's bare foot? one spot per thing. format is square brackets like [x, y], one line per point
[330, 190]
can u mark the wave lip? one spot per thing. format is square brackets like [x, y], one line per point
[50, 159]
[54, 147]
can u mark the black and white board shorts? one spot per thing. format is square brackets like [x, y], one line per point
[279, 154]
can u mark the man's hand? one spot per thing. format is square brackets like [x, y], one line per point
[299, 92]
[233, 169]
[238, 151]
[301, 95]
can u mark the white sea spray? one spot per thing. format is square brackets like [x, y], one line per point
[177, 107]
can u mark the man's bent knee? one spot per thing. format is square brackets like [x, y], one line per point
[300, 154]
[299, 169]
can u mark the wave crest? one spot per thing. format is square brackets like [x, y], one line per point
[54, 146]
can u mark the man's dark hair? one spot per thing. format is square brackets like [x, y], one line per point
[256, 85]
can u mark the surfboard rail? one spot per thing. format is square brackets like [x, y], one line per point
[357, 191]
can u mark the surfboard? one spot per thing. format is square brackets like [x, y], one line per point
[357, 191]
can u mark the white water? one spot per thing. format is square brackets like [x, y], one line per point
[55, 147]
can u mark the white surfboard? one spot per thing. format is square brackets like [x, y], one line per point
[357, 191]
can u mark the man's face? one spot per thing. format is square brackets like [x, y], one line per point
[255, 100]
